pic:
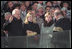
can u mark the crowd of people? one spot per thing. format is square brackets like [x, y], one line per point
[30, 18]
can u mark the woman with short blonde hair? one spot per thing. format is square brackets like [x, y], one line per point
[29, 15]
[31, 28]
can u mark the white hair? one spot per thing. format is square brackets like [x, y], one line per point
[7, 13]
[14, 11]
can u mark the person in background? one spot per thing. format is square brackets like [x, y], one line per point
[17, 2]
[40, 3]
[59, 3]
[47, 8]
[55, 3]
[2, 21]
[61, 23]
[66, 10]
[7, 16]
[34, 6]
[49, 3]
[16, 6]
[8, 6]
[5, 27]
[31, 28]
[23, 11]
[40, 12]
[40, 16]
[27, 4]
[33, 12]
[2, 4]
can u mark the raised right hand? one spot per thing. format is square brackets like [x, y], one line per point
[10, 19]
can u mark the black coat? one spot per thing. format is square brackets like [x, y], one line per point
[64, 23]
[31, 26]
[16, 28]
[4, 27]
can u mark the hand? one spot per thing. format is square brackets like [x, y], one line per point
[35, 33]
[31, 33]
[10, 19]
[28, 31]
[5, 32]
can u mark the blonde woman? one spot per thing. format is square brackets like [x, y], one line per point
[31, 28]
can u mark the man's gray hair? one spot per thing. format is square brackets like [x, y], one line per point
[58, 12]
[7, 13]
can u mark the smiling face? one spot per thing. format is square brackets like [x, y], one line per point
[30, 19]
[48, 18]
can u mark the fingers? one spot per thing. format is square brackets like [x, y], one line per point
[31, 33]
[5, 31]
[10, 19]
[28, 31]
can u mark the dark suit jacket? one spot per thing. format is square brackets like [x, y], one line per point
[16, 28]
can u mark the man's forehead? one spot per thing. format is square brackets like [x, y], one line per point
[57, 10]
[17, 10]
